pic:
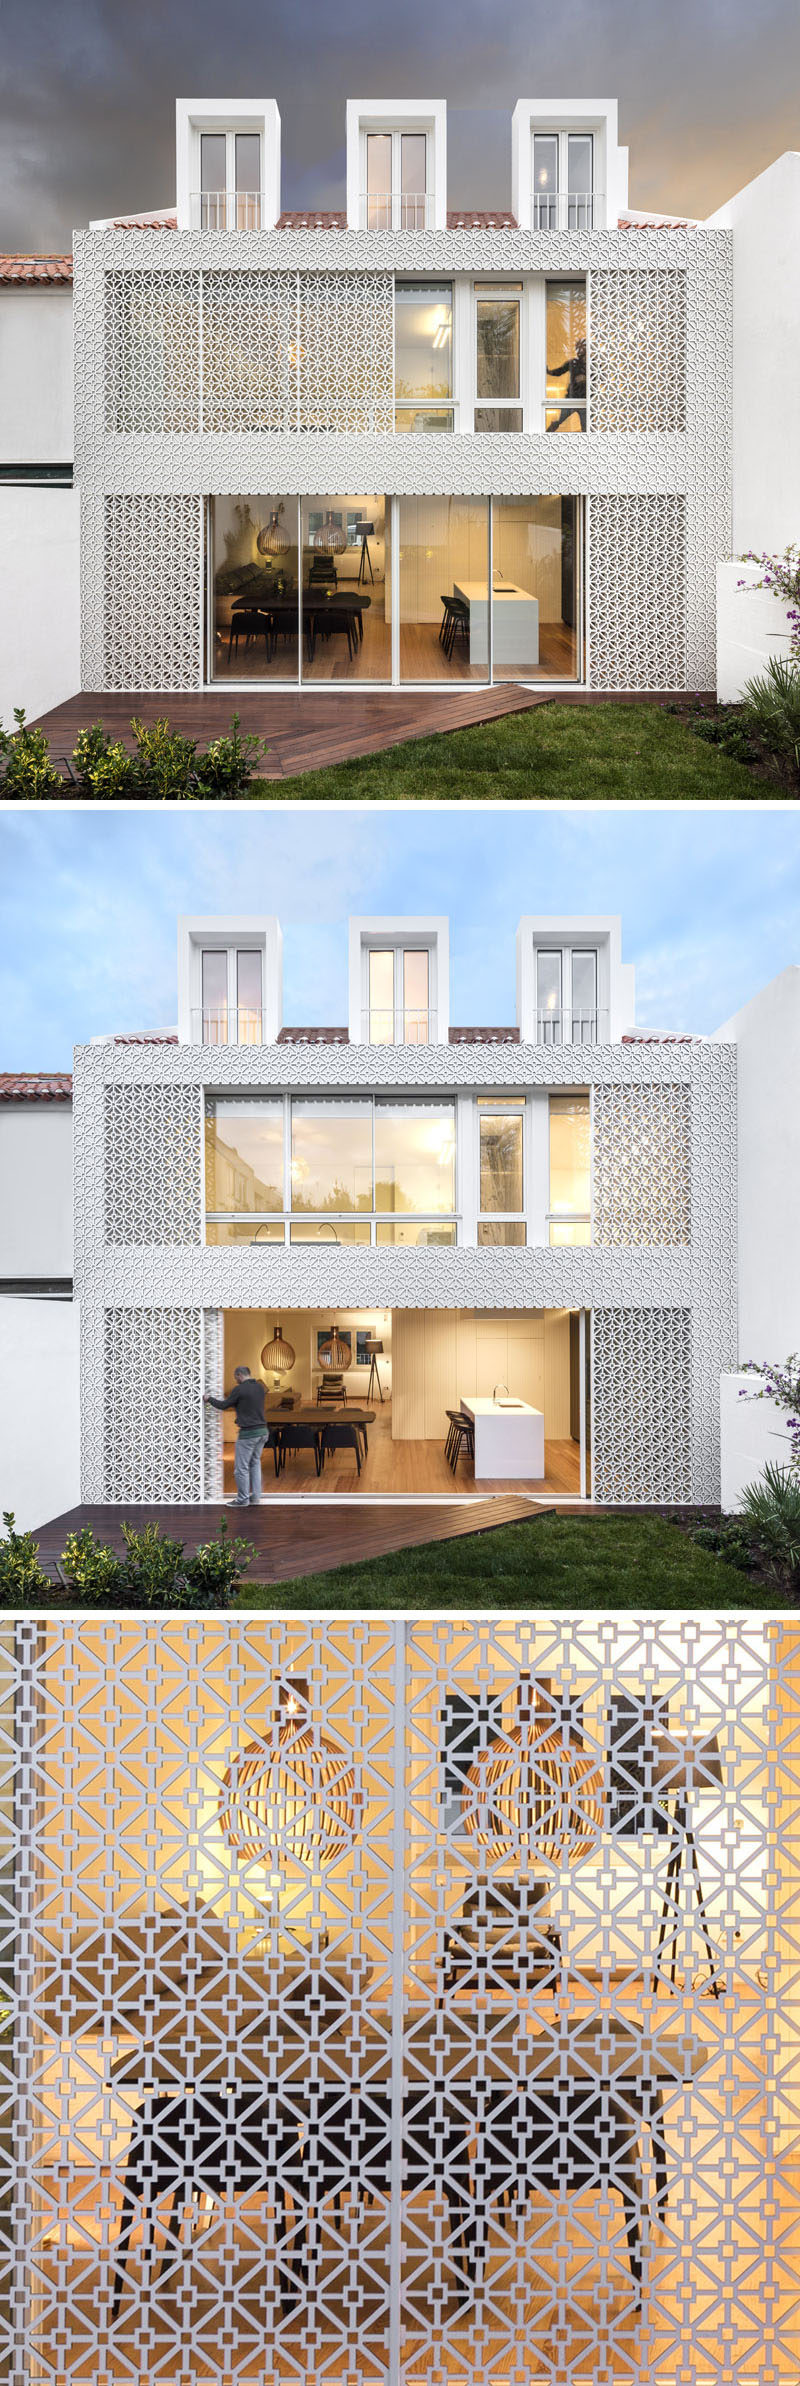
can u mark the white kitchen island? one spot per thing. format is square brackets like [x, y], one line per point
[515, 623]
[509, 1438]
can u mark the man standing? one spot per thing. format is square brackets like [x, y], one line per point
[252, 1431]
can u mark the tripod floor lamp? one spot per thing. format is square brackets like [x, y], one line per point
[374, 1351]
[681, 1773]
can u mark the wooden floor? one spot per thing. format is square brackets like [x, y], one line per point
[309, 1538]
[422, 656]
[306, 730]
[410, 1469]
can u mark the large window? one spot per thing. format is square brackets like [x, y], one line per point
[497, 373]
[423, 356]
[399, 1010]
[230, 182]
[444, 565]
[396, 196]
[565, 343]
[299, 590]
[501, 1186]
[316, 1171]
[231, 996]
[535, 588]
[563, 176]
[569, 1212]
[566, 997]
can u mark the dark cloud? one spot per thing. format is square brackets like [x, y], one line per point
[709, 91]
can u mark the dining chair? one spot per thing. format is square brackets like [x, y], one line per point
[577, 2140]
[341, 1437]
[187, 2148]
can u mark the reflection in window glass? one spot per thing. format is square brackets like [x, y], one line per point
[244, 1156]
[565, 386]
[444, 563]
[215, 997]
[248, 1230]
[331, 1156]
[213, 147]
[501, 1161]
[501, 1230]
[415, 1155]
[545, 181]
[570, 1169]
[409, 1234]
[423, 355]
[248, 997]
[379, 182]
[416, 970]
[548, 997]
[381, 997]
[498, 346]
[579, 179]
[323, 1230]
[584, 998]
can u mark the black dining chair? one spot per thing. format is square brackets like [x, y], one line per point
[291, 1438]
[455, 622]
[577, 2140]
[341, 1437]
[184, 2149]
[248, 625]
[352, 2152]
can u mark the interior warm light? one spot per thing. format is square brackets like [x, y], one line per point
[293, 1796]
[334, 1354]
[273, 540]
[330, 539]
[536, 1794]
[277, 1356]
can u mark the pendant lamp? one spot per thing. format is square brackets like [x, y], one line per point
[277, 1356]
[293, 1796]
[536, 1795]
[334, 1354]
[273, 540]
[330, 538]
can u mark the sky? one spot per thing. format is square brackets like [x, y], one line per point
[710, 905]
[709, 91]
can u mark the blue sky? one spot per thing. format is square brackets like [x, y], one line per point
[710, 904]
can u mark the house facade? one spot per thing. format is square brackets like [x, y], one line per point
[548, 1208]
[389, 2000]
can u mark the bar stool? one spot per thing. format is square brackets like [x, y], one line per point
[460, 1437]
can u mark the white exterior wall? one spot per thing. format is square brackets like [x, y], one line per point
[36, 373]
[751, 625]
[752, 1435]
[36, 1190]
[765, 221]
[767, 1036]
[40, 640]
[39, 1410]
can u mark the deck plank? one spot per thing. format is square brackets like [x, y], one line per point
[307, 730]
[304, 1538]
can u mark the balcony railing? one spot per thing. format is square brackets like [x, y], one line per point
[227, 1026]
[565, 211]
[226, 211]
[396, 211]
[398, 1026]
[572, 1027]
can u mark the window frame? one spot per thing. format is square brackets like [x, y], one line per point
[562, 1217]
[232, 950]
[229, 133]
[398, 946]
[395, 132]
[443, 408]
[498, 1106]
[550, 405]
[484, 292]
[281, 1222]
[559, 201]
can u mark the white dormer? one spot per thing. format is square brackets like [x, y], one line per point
[573, 986]
[397, 165]
[568, 173]
[230, 980]
[228, 164]
[399, 981]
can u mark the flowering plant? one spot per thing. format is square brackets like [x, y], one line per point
[781, 576]
[781, 1384]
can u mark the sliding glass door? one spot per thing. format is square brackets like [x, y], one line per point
[535, 588]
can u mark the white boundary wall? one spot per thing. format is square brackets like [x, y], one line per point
[753, 1435]
[39, 1409]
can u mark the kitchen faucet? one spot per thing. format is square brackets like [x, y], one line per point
[500, 1388]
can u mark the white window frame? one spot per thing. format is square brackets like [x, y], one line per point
[520, 288]
[229, 220]
[557, 203]
[571, 1217]
[211, 944]
[497, 1106]
[280, 1222]
[429, 405]
[566, 953]
[398, 946]
[395, 133]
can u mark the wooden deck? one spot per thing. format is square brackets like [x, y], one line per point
[306, 731]
[305, 1538]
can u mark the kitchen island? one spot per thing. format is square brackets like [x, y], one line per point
[509, 1438]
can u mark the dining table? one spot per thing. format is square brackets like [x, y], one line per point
[322, 1430]
[323, 607]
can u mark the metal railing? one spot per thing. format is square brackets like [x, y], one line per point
[226, 211]
[572, 1027]
[565, 211]
[227, 1025]
[396, 211]
[398, 1026]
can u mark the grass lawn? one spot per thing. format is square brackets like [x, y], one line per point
[558, 751]
[555, 1561]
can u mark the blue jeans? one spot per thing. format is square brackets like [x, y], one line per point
[247, 1468]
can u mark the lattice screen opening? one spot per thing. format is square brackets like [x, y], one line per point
[440, 2107]
[637, 351]
[152, 1430]
[641, 1404]
[249, 351]
[152, 593]
[637, 592]
[345, 334]
[152, 1164]
[152, 334]
[642, 1148]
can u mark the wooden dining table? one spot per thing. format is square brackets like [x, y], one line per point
[315, 1419]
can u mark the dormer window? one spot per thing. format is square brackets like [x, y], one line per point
[562, 182]
[230, 182]
[566, 995]
[395, 191]
[399, 1009]
[231, 981]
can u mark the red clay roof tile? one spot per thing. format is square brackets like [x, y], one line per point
[35, 269]
[36, 1085]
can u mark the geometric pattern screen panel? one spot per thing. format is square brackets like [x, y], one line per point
[637, 591]
[152, 1164]
[152, 580]
[401, 2004]
[151, 1391]
[641, 1404]
[642, 1145]
[638, 351]
[249, 352]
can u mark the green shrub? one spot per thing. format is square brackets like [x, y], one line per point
[93, 1571]
[773, 706]
[154, 1573]
[226, 766]
[215, 1571]
[729, 1540]
[772, 1510]
[166, 759]
[22, 1583]
[26, 770]
[103, 766]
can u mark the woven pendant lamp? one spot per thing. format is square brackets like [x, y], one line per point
[535, 1795]
[277, 1356]
[273, 540]
[291, 1798]
[330, 538]
[334, 1354]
